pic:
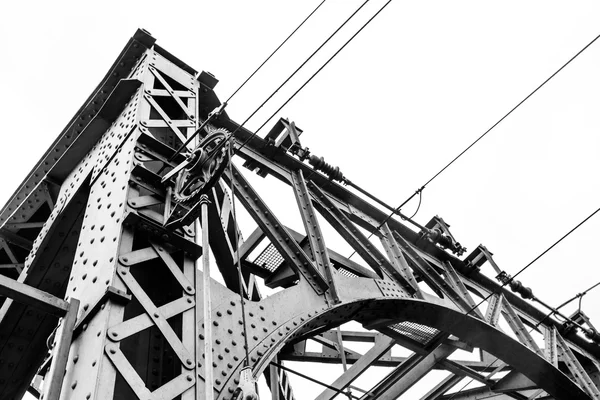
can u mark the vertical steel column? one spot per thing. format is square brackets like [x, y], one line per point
[206, 301]
[64, 334]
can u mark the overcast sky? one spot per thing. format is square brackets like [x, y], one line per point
[416, 87]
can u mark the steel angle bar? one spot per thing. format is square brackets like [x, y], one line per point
[330, 340]
[138, 256]
[165, 93]
[454, 279]
[518, 328]
[431, 275]
[357, 240]
[337, 258]
[54, 379]
[25, 225]
[277, 233]
[137, 385]
[15, 239]
[347, 229]
[174, 387]
[409, 373]
[171, 92]
[274, 384]
[442, 387]
[581, 376]
[550, 346]
[174, 268]
[29, 295]
[402, 271]
[144, 201]
[157, 317]
[382, 345]
[165, 117]
[492, 313]
[143, 321]
[314, 234]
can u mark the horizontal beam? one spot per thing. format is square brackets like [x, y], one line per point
[394, 361]
[31, 296]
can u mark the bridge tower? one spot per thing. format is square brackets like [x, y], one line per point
[104, 246]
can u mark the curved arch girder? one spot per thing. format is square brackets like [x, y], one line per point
[272, 327]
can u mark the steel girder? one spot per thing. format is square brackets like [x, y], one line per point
[101, 239]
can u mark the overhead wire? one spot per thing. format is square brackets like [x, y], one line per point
[232, 135]
[523, 270]
[274, 51]
[293, 74]
[236, 244]
[420, 190]
[578, 295]
[189, 139]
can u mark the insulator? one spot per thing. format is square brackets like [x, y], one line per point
[319, 164]
[525, 292]
[593, 335]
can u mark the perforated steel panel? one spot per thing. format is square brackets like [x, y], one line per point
[269, 259]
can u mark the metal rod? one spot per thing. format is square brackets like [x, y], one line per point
[384, 204]
[312, 380]
[54, 380]
[206, 301]
[183, 146]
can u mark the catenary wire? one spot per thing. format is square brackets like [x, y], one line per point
[419, 190]
[232, 135]
[275, 51]
[313, 75]
[250, 77]
[292, 75]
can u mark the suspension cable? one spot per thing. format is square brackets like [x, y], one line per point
[284, 83]
[274, 51]
[312, 76]
[419, 190]
[197, 132]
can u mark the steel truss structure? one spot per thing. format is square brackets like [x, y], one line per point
[104, 299]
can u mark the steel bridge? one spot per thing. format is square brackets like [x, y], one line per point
[104, 297]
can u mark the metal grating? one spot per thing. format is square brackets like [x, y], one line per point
[269, 258]
[345, 272]
[421, 333]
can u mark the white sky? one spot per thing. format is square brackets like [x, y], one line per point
[415, 88]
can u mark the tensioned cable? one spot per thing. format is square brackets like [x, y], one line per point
[418, 191]
[231, 135]
[252, 74]
[275, 51]
[238, 264]
[313, 75]
[318, 382]
[292, 75]
[236, 244]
